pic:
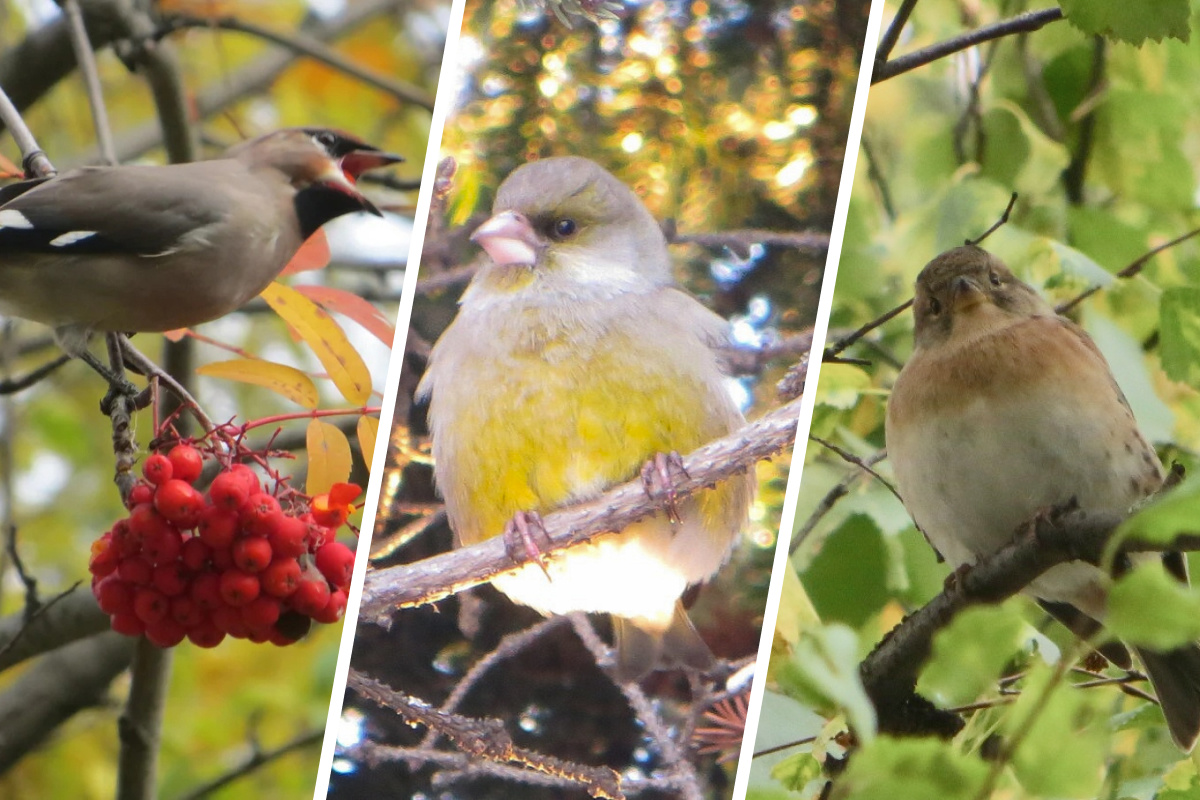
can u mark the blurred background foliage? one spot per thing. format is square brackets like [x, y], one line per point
[724, 116]
[56, 465]
[1102, 142]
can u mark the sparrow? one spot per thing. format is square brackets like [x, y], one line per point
[1006, 409]
[573, 360]
[155, 248]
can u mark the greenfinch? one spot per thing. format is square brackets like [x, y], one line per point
[573, 361]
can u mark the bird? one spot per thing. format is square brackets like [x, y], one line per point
[145, 248]
[1005, 410]
[573, 361]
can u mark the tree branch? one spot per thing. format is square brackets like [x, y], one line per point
[1022, 23]
[425, 581]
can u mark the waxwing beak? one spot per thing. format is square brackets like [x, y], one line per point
[509, 238]
[342, 173]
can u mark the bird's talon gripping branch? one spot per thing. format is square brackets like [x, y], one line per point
[658, 479]
[525, 537]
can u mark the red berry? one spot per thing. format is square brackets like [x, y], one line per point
[157, 469]
[334, 609]
[281, 577]
[186, 462]
[252, 553]
[165, 633]
[135, 570]
[103, 560]
[187, 612]
[228, 619]
[114, 596]
[141, 493]
[150, 605]
[145, 521]
[261, 514]
[318, 535]
[206, 591]
[195, 554]
[336, 562]
[247, 476]
[230, 491]
[206, 634]
[222, 558]
[238, 588]
[128, 624]
[288, 537]
[311, 596]
[262, 612]
[163, 547]
[179, 502]
[217, 527]
[171, 579]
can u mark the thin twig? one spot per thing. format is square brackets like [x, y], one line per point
[306, 46]
[1028, 21]
[257, 759]
[85, 58]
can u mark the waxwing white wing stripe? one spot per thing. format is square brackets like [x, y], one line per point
[71, 238]
[11, 218]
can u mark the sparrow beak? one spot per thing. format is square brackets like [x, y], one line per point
[965, 293]
[509, 239]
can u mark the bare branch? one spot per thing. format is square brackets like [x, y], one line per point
[425, 581]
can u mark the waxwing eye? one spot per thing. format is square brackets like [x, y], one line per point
[325, 139]
[564, 228]
[995, 279]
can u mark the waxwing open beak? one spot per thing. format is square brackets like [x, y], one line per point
[509, 238]
[343, 173]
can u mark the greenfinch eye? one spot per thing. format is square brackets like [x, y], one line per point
[564, 227]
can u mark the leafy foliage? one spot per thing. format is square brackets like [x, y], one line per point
[1093, 134]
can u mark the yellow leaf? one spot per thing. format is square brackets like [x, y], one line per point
[368, 432]
[345, 366]
[287, 381]
[328, 457]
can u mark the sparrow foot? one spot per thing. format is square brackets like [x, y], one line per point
[525, 538]
[658, 479]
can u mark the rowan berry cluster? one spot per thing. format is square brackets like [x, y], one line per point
[226, 562]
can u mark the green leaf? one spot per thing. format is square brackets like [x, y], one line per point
[823, 673]
[969, 654]
[1169, 515]
[797, 771]
[843, 579]
[842, 385]
[1130, 22]
[1180, 331]
[1066, 738]
[1150, 608]
[906, 769]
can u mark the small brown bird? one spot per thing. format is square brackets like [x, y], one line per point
[154, 248]
[1005, 409]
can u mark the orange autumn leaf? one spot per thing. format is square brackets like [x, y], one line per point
[331, 509]
[279, 378]
[329, 459]
[313, 254]
[354, 307]
[321, 332]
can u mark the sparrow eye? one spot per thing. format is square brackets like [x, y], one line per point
[564, 227]
[995, 279]
[935, 306]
